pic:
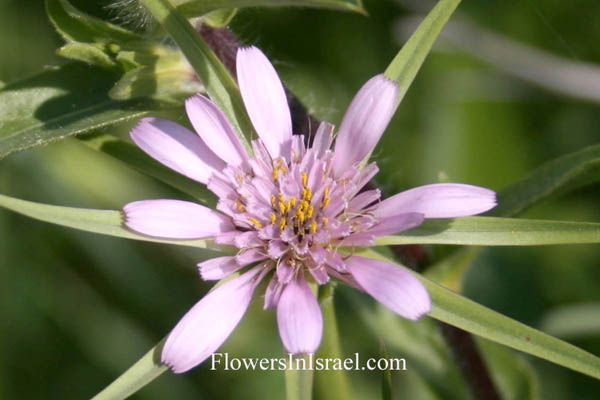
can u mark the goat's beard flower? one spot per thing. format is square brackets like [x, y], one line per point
[288, 209]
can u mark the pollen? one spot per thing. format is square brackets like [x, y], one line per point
[273, 201]
[273, 218]
[282, 208]
[309, 212]
[255, 222]
[293, 201]
[313, 227]
[325, 221]
[240, 206]
[304, 179]
[282, 224]
[275, 172]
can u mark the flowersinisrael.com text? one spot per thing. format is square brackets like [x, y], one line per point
[309, 363]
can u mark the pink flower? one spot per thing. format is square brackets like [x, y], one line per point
[288, 209]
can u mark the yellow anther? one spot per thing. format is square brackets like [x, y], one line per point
[240, 178]
[301, 216]
[273, 218]
[282, 208]
[325, 221]
[313, 227]
[255, 222]
[288, 205]
[283, 169]
[308, 194]
[293, 201]
[326, 198]
[281, 199]
[240, 206]
[275, 171]
[309, 212]
[273, 201]
[304, 179]
[282, 223]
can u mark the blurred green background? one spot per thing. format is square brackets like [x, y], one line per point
[77, 309]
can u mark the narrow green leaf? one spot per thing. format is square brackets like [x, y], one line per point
[144, 371]
[196, 8]
[463, 313]
[556, 176]
[63, 101]
[408, 61]
[298, 382]
[106, 222]
[77, 26]
[140, 161]
[219, 84]
[493, 231]
[331, 384]
[86, 53]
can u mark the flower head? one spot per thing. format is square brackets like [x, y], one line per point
[288, 209]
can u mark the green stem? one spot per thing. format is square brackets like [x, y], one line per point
[219, 84]
[298, 382]
[330, 384]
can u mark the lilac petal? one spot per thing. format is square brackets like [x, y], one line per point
[299, 318]
[364, 122]
[215, 130]
[397, 223]
[205, 327]
[218, 268]
[176, 147]
[175, 219]
[439, 200]
[323, 139]
[272, 293]
[392, 286]
[265, 100]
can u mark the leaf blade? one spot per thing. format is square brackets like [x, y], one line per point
[493, 231]
[463, 313]
[62, 102]
[144, 371]
[106, 222]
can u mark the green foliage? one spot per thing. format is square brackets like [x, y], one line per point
[195, 8]
[491, 231]
[63, 101]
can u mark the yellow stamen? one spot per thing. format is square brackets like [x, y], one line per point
[275, 171]
[304, 179]
[313, 227]
[282, 208]
[309, 212]
[283, 169]
[293, 201]
[255, 222]
[273, 218]
[326, 198]
[240, 206]
[325, 221]
[281, 199]
[282, 224]
[273, 201]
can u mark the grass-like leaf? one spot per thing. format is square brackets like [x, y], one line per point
[219, 84]
[136, 377]
[63, 101]
[106, 222]
[196, 8]
[556, 176]
[493, 231]
[463, 313]
[408, 61]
